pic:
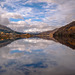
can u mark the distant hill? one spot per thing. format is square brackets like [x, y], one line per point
[48, 32]
[46, 35]
[7, 33]
[68, 30]
[5, 29]
[66, 35]
[8, 30]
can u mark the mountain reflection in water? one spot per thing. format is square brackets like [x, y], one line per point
[37, 56]
[68, 41]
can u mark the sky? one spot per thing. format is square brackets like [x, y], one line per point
[36, 15]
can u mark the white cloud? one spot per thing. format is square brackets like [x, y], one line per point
[24, 11]
[12, 15]
[19, 26]
[61, 15]
[48, 1]
[4, 17]
[30, 26]
[4, 20]
[64, 13]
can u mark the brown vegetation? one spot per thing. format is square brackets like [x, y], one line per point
[68, 30]
[66, 35]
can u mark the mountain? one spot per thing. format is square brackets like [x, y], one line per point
[8, 30]
[68, 30]
[47, 34]
[5, 29]
[64, 35]
[7, 33]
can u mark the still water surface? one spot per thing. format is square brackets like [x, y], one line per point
[36, 56]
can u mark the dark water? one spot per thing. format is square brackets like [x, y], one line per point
[37, 56]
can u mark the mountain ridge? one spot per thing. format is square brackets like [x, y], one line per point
[67, 30]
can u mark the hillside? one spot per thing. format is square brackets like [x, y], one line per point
[48, 35]
[5, 29]
[68, 30]
[7, 33]
[8, 30]
[66, 35]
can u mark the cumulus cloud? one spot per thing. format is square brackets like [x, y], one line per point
[64, 13]
[29, 26]
[25, 11]
[12, 15]
[19, 26]
[54, 13]
[4, 20]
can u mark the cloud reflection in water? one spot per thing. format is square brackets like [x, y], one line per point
[36, 56]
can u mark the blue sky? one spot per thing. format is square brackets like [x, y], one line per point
[44, 13]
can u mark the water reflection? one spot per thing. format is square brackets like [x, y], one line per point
[36, 56]
[68, 41]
